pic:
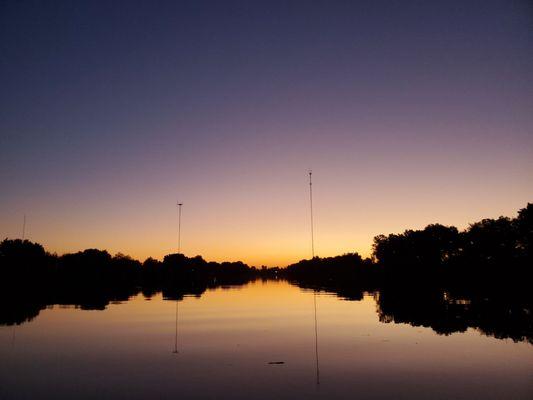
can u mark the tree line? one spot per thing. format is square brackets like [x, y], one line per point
[489, 250]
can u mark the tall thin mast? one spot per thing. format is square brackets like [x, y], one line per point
[311, 203]
[179, 227]
[24, 227]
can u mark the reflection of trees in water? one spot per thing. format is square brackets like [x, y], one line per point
[500, 314]
[16, 310]
[503, 314]
[22, 306]
[493, 314]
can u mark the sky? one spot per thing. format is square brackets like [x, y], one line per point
[408, 113]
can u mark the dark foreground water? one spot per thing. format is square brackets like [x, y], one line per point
[254, 341]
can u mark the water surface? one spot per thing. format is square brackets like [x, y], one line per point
[253, 341]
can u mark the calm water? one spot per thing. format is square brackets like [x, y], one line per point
[227, 338]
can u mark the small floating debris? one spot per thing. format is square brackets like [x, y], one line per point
[276, 362]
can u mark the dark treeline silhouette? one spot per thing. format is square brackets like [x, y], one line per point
[437, 277]
[490, 249]
[31, 278]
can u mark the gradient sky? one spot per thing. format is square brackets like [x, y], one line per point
[408, 112]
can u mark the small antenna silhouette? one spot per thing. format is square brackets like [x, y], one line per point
[179, 227]
[24, 227]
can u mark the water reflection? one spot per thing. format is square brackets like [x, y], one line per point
[20, 304]
[316, 341]
[258, 340]
[175, 351]
[501, 314]
[502, 317]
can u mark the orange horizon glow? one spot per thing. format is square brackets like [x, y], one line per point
[267, 247]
